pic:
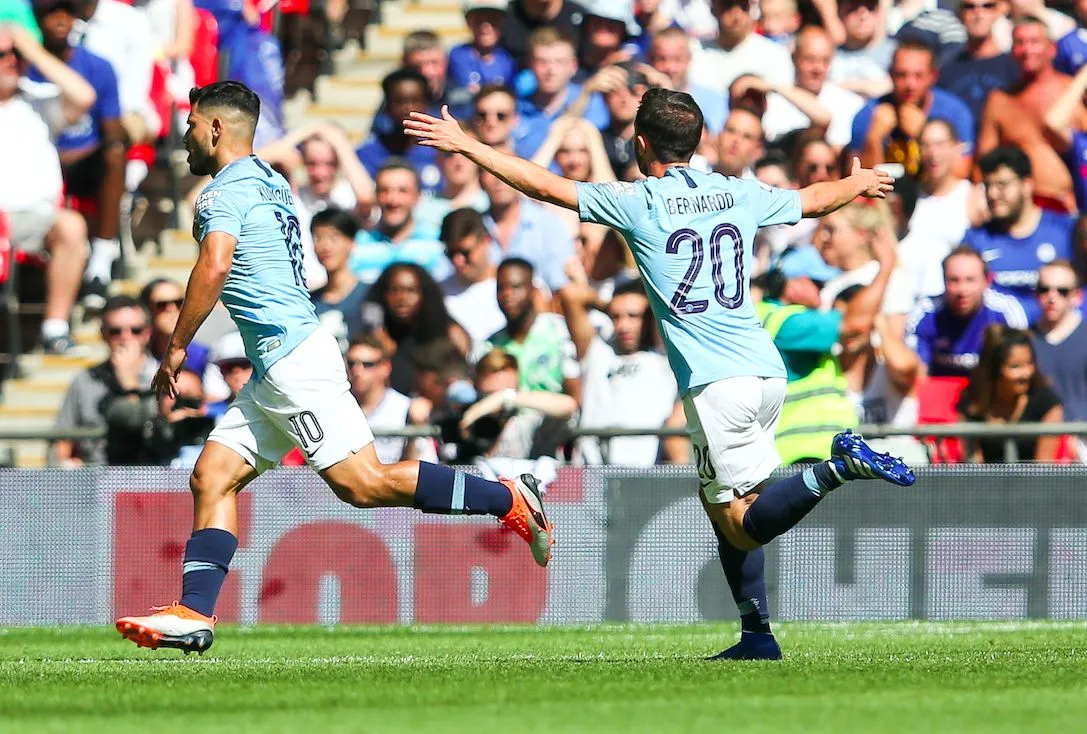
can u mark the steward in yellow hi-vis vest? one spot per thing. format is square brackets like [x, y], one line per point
[816, 404]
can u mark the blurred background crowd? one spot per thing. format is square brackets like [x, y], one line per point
[507, 324]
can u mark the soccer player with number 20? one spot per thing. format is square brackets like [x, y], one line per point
[691, 234]
[299, 395]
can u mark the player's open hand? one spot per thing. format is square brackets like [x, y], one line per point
[445, 133]
[874, 182]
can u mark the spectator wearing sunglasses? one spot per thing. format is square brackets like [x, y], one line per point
[1060, 336]
[981, 66]
[471, 292]
[162, 299]
[369, 368]
[105, 390]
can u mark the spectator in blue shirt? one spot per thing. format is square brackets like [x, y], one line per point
[947, 331]
[1060, 336]
[523, 228]
[483, 61]
[92, 151]
[338, 302]
[398, 237]
[1068, 137]
[980, 66]
[886, 130]
[1072, 48]
[406, 91]
[553, 62]
[1020, 236]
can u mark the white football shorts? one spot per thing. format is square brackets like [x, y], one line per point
[731, 423]
[303, 400]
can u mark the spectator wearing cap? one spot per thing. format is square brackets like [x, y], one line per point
[610, 34]
[471, 292]
[31, 115]
[233, 364]
[1020, 236]
[1060, 336]
[810, 99]
[405, 91]
[886, 129]
[947, 331]
[981, 65]
[525, 17]
[338, 302]
[670, 54]
[738, 50]
[817, 401]
[92, 151]
[864, 55]
[397, 236]
[1017, 117]
[484, 60]
[553, 61]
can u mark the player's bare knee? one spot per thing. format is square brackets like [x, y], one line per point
[206, 482]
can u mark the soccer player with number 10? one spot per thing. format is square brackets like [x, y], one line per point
[691, 234]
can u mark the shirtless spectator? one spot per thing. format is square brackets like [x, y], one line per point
[1017, 117]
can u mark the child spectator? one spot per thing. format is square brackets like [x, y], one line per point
[483, 61]
[339, 302]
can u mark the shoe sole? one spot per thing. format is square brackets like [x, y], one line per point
[542, 538]
[144, 636]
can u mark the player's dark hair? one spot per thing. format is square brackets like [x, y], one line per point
[147, 290]
[431, 320]
[966, 251]
[915, 44]
[671, 122]
[395, 163]
[227, 95]
[462, 223]
[999, 341]
[516, 262]
[1011, 157]
[344, 221]
[117, 303]
[399, 76]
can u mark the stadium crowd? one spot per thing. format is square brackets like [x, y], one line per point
[460, 304]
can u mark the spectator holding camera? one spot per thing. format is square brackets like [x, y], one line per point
[178, 433]
[1007, 387]
[115, 394]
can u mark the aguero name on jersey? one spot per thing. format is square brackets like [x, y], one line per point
[691, 234]
[265, 290]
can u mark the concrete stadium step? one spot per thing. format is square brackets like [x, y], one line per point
[348, 93]
[438, 18]
[35, 392]
[390, 40]
[355, 120]
[54, 368]
[28, 418]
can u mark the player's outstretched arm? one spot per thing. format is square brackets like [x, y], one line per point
[446, 134]
[205, 286]
[820, 199]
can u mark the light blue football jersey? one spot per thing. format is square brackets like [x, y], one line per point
[265, 291]
[691, 235]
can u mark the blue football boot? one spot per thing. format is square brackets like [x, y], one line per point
[852, 458]
[752, 646]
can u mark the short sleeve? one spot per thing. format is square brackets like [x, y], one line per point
[1039, 402]
[771, 205]
[218, 210]
[616, 204]
[921, 339]
[68, 417]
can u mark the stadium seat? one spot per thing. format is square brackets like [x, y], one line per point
[936, 399]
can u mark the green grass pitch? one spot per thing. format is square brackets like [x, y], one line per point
[903, 677]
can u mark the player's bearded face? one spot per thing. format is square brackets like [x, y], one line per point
[198, 142]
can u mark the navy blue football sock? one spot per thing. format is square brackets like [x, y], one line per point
[207, 558]
[784, 503]
[445, 491]
[745, 574]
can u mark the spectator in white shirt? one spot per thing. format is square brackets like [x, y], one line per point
[813, 101]
[625, 383]
[471, 292]
[738, 50]
[862, 60]
[31, 116]
[368, 370]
